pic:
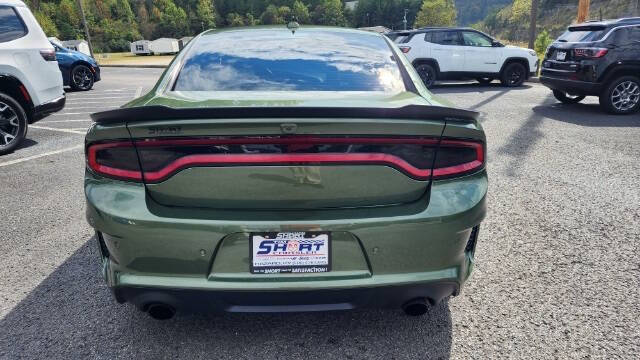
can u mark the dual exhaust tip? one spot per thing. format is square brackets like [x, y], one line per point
[161, 311]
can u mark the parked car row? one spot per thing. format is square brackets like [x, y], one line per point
[33, 73]
[597, 58]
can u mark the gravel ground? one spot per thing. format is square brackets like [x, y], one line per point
[557, 275]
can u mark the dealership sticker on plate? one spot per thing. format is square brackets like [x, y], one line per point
[290, 252]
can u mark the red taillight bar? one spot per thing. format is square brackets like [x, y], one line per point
[92, 161]
[280, 159]
[200, 160]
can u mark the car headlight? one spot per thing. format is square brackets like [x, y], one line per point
[533, 53]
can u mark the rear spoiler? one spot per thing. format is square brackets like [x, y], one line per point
[159, 113]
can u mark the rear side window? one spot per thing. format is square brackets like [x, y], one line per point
[627, 35]
[11, 26]
[428, 37]
[635, 34]
[277, 60]
[583, 34]
[446, 38]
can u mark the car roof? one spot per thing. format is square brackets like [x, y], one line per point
[609, 22]
[305, 28]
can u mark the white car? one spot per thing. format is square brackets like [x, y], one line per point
[462, 53]
[30, 80]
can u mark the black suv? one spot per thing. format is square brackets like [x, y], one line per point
[597, 59]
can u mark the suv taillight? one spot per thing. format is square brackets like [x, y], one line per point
[48, 54]
[590, 53]
[405, 49]
[162, 158]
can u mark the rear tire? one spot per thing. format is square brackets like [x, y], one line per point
[565, 98]
[427, 74]
[81, 78]
[13, 124]
[485, 81]
[622, 96]
[513, 75]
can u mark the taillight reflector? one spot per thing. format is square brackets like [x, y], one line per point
[590, 53]
[163, 158]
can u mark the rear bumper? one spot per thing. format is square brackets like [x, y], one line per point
[571, 86]
[286, 301]
[96, 73]
[43, 110]
[381, 257]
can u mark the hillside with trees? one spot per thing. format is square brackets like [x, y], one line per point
[511, 23]
[115, 23]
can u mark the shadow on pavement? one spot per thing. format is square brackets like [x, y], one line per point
[72, 315]
[454, 88]
[586, 115]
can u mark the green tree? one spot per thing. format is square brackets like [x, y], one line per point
[67, 20]
[436, 13]
[206, 14]
[234, 19]
[272, 15]
[301, 12]
[542, 43]
[329, 12]
[47, 24]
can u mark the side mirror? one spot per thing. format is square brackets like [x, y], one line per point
[496, 43]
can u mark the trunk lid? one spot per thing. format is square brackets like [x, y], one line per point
[287, 157]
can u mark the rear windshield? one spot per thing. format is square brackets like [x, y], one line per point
[277, 60]
[582, 34]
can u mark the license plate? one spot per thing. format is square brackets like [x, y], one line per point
[561, 55]
[290, 252]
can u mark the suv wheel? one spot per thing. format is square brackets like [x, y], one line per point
[563, 97]
[13, 124]
[513, 75]
[622, 96]
[427, 74]
[81, 78]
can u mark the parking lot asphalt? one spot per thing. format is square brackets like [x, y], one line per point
[557, 272]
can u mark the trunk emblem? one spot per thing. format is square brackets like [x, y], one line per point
[288, 128]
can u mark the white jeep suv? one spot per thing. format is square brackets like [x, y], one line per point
[462, 53]
[30, 80]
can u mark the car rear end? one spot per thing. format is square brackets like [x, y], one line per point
[576, 61]
[26, 54]
[283, 176]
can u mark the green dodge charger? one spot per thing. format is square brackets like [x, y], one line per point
[283, 169]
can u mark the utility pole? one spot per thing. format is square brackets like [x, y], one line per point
[86, 29]
[405, 18]
[583, 11]
[532, 25]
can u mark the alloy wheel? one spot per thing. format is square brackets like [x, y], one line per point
[9, 124]
[82, 78]
[515, 76]
[427, 75]
[625, 96]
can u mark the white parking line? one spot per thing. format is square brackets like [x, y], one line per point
[98, 97]
[63, 121]
[79, 102]
[65, 114]
[55, 129]
[17, 161]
